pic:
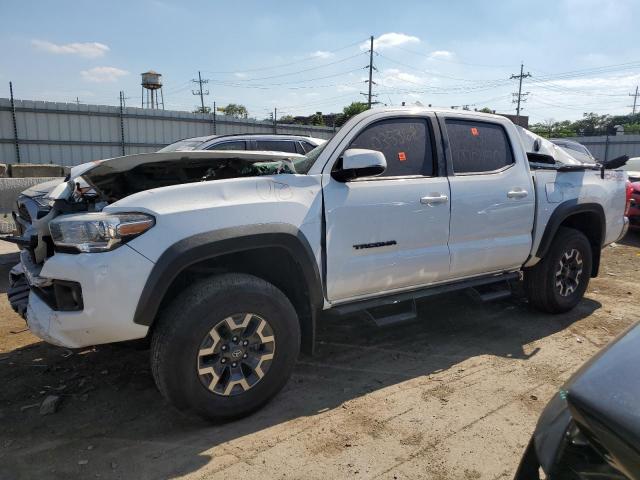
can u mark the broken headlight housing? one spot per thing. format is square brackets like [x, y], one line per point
[97, 232]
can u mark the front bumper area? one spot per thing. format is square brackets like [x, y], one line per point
[111, 284]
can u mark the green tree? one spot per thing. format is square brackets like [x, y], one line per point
[287, 119]
[201, 110]
[486, 110]
[317, 119]
[235, 110]
[349, 111]
[354, 109]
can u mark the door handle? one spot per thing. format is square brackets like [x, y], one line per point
[517, 193]
[434, 199]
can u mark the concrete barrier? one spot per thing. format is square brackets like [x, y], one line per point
[24, 170]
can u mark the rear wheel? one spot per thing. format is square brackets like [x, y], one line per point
[226, 346]
[557, 283]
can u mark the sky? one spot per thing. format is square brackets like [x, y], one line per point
[301, 57]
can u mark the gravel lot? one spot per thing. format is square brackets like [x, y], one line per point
[455, 395]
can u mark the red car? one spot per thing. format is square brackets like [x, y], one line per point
[633, 210]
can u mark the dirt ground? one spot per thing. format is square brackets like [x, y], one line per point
[453, 396]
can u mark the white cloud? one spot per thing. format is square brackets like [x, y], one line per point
[87, 50]
[614, 84]
[393, 77]
[441, 54]
[240, 75]
[321, 54]
[391, 39]
[103, 74]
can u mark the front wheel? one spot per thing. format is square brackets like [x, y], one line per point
[557, 283]
[225, 346]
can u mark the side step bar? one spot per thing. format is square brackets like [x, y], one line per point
[396, 300]
[401, 312]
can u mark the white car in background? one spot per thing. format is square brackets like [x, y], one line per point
[575, 149]
[258, 142]
[633, 169]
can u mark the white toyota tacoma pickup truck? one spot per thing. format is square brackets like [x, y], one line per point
[225, 259]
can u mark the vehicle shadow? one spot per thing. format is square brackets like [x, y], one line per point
[631, 239]
[111, 403]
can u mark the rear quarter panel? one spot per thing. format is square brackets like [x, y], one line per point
[553, 188]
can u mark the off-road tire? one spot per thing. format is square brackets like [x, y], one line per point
[180, 329]
[540, 280]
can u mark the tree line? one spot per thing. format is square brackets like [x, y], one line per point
[319, 119]
[590, 124]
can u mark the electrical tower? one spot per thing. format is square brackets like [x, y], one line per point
[371, 83]
[635, 99]
[200, 91]
[520, 97]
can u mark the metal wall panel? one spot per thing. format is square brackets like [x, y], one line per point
[614, 145]
[69, 134]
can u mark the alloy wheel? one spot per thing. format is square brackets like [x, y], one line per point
[236, 354]
[568, 274]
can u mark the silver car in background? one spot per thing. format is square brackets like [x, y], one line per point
[260, 142]
[575, 149]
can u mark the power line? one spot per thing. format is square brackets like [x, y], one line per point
[520, 96]
[201, 91]
[266, 86]
[432, 57]
[281, 65]
[288, 74]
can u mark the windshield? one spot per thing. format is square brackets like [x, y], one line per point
[181, 145]
[304, 164]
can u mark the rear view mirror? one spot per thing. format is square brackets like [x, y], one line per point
[359, 162]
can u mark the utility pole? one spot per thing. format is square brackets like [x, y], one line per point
[371, 83]
[635, 99]
[122, 144]
[275, 120]
[200, 91]
[214, 118]
[519, 97]
[15, 123]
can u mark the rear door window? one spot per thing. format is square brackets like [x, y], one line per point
[276, 145]
[405, 143]
[307, 146]
[233, 145]
[478, 147]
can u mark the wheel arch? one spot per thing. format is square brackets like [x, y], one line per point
[588, 218]
[277, 253]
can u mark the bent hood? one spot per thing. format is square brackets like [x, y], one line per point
[119, 177]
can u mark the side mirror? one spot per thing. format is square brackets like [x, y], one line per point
[359, 162]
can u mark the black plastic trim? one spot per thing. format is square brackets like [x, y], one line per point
[62, 296]
[560, 214]
[208, 245]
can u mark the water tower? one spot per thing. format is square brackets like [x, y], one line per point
[152, 83]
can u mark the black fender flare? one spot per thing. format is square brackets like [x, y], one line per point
[208, 245]
[565, 210]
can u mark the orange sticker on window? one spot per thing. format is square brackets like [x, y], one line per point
[402, 156]
[474, 131]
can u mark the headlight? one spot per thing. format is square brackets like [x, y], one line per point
[98, 232]
[42, 201]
